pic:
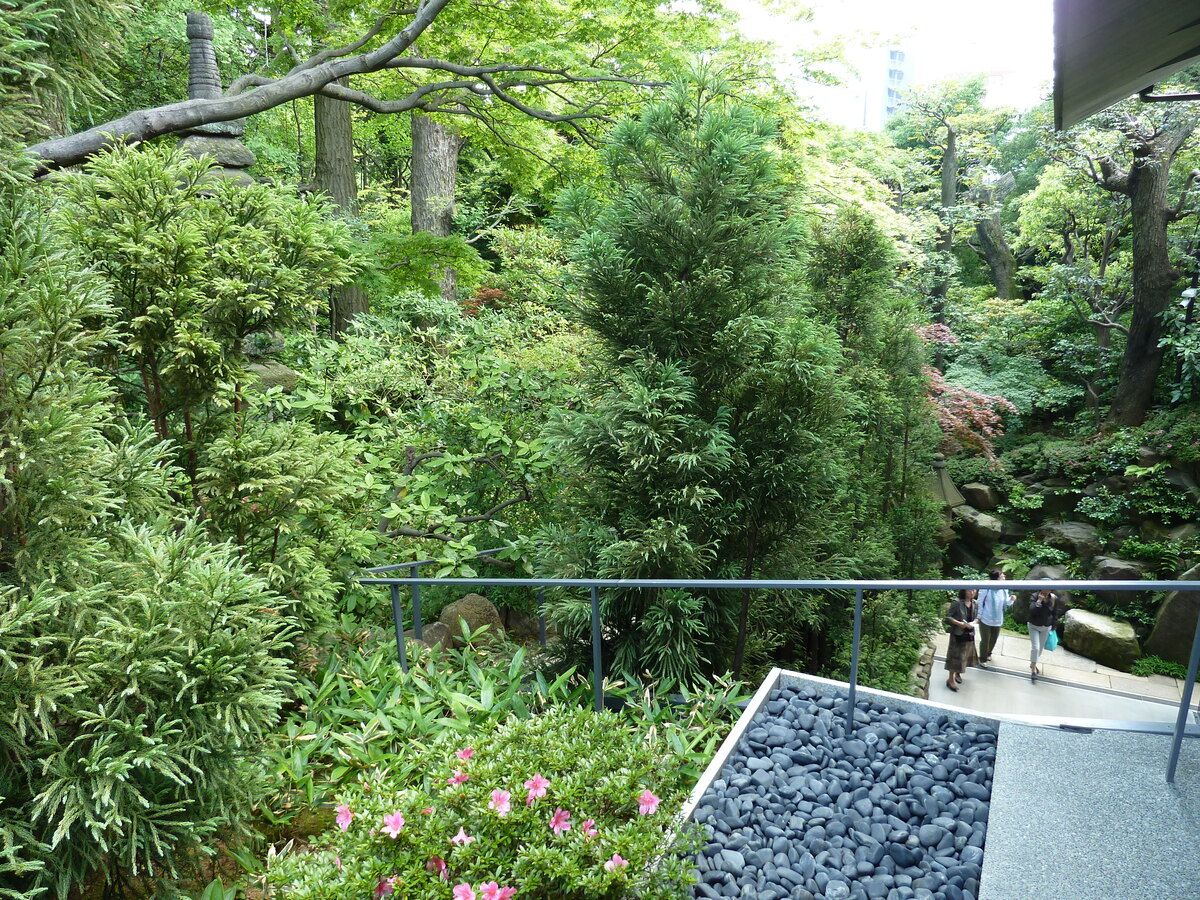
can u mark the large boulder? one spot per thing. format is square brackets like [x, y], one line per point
[435, 634]
[1020, 607]
[1175, 626]
[477, 611]
[1107, 641]
[1077, 538]
[271, 374]
[977, 528]
[1012, 532]
[1110, 568]
[1155, 531]
[225, 151]
[962, 556]
[1058, 496]
[1184, 481]
[980, 495]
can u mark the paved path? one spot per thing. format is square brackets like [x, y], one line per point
[1070, 686]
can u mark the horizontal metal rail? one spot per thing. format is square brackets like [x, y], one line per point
[595, 585]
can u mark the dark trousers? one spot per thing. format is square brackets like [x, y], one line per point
[987, 640]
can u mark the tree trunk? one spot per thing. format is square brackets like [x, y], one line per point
[998, 256]
[434, 177]
[945, 245]
[1153, 280]
[334, 175]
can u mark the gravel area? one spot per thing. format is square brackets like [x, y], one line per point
[895, 810]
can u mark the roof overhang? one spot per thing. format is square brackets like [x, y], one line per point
[1107, 50]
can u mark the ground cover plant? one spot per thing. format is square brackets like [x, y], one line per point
[569, 804]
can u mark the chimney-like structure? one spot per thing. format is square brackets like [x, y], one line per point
[204, 81]
[220, 139]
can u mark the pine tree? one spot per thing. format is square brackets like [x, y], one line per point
[709, 447]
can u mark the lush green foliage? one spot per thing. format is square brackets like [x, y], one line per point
[1155, 665]
[717, 433]
[358, 717]
[594, 768]
[140, 664]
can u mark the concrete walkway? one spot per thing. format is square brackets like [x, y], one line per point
[1070, 686]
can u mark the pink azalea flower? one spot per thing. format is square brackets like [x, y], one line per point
[385, 887]
[463, 892]
[647, 803]
[500, 802]
[465, 753]
[344, 817]
[458, 777]
[537, 788]
[616, 863]
[438, 865]
[337, 862]
[392, 824]
[461, 838]
[589, 828]
[560, 821]
[427, 811]
[491, 890]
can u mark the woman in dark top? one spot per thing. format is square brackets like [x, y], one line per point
[963, 614]
[1043, 614]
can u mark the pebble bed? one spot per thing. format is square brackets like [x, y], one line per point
[898, 811]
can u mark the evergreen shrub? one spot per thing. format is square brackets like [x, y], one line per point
[133, 710]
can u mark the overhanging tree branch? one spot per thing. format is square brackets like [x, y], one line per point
[299, 82]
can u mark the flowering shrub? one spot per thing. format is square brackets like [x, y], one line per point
[571, 804]
[970, 421]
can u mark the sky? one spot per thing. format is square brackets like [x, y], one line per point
[1011, 40]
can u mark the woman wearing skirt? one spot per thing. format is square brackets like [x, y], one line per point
[963, 614]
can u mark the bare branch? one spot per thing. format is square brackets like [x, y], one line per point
[338, 52]
[1175, 213]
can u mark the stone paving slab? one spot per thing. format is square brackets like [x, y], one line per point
[1091, 817]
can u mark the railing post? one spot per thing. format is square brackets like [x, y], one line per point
[596, 662]
[398, 621]
[541, 601]
[1185, 705]
[851, 696]
[416, 595]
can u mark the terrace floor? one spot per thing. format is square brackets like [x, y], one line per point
[1091, 817]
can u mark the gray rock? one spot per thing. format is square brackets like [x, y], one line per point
[1155, 531]
[474, 610]
[273, 374]
[981, 496]
[1184, 481]
[226, 151]
[1077, 538]
[980, 530]
[1058, 497]
[1175, 624]
[960, 553]
[435, 634]
[1101, 638]
[1110, 568]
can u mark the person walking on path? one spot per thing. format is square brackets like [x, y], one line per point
[992, 604]
[1043, 614]
[960, 653]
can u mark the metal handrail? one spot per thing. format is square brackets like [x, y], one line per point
[594, 585]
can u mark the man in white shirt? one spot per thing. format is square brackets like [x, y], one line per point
[992, 604]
